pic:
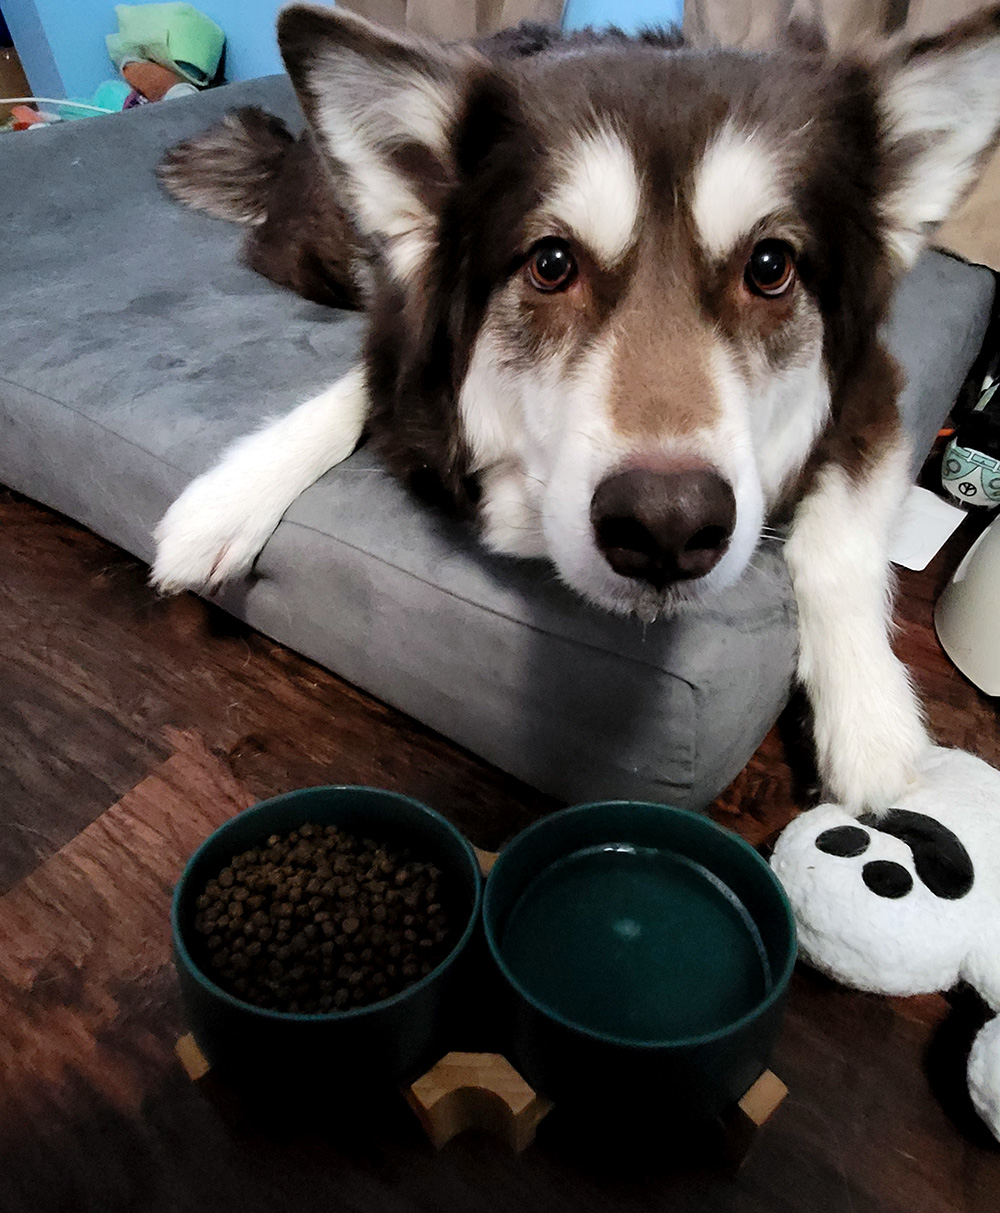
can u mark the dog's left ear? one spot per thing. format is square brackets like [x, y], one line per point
[941, 109]
[383, 106]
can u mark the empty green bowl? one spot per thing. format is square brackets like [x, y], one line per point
[645, 949]
[386, 1041]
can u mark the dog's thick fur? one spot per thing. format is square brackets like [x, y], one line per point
[428, 181]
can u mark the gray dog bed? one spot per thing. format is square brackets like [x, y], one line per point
[136, 346]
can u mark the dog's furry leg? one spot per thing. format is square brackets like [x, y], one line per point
[216, 528]
[868, 724]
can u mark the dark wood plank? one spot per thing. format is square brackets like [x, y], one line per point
[86, 937]
[94, 665]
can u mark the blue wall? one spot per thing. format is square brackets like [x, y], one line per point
[251, 44]
[626, 14]
[61, 42]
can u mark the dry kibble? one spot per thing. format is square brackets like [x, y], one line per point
[311, 922]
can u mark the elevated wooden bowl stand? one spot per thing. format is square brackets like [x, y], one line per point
[483, 1091]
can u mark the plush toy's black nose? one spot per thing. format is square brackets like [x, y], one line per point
[663, 526]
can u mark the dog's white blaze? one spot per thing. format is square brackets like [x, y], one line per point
[729, 446]
[511, 456]
[490, 406]
[543, 430]
[600, 196]
[737, 184]
[949, 105]
[868, 727]
[589, 449]
[787, 415]
[216, 528]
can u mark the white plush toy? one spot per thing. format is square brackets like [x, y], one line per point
[908, 902]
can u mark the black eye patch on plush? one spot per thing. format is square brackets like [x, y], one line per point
[942, 863]
[845, 841]
[887, 879]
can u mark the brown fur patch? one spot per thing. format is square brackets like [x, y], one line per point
[307, 241]
[868, 417]
[662, 384]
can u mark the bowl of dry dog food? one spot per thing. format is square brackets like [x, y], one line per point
[319, 934]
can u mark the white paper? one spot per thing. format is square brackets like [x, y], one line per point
[925, 524]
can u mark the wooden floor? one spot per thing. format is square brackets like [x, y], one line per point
[131, 726]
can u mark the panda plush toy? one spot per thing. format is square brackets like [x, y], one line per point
[908, 902]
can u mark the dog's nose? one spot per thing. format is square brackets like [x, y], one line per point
[663, 526]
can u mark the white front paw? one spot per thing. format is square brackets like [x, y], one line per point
[212, 533]
[870, 751]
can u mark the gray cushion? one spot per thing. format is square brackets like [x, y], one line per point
[136, 346]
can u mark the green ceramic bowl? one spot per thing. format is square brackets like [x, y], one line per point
[387, 1041]
[644, 949]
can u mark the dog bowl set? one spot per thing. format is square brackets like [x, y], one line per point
[620, 951]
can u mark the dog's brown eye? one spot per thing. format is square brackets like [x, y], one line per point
[551, 266]
[771, 268]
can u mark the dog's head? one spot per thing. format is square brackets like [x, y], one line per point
[624, 288]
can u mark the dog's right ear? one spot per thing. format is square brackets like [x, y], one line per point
[383, 106]
[941, 118]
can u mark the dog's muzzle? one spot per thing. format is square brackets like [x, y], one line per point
[663, 525]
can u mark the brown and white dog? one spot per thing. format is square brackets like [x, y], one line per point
[625, 301]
